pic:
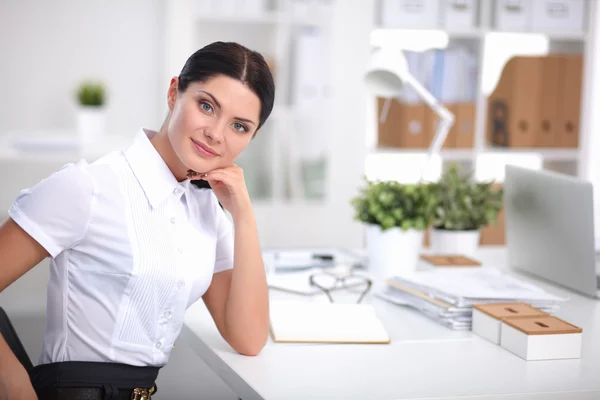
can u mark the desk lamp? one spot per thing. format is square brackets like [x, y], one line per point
[387, 76]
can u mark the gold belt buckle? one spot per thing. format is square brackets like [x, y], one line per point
[142, 394]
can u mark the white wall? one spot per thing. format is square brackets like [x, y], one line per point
[46, 47]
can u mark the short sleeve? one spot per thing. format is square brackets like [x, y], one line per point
[56, 211]
[224, 256]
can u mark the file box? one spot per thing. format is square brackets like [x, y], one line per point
[541, 338]
[487, 318]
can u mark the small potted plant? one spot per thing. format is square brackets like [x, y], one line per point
[91, 114]
[463, 208]
[396, 216]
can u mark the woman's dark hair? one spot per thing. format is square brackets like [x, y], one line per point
[236, 61]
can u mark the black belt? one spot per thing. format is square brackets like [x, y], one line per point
[81, 380]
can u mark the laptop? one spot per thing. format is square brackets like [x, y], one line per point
[550, 228]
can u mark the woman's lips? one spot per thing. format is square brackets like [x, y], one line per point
[204, 150]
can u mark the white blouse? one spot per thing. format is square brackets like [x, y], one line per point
[131, 250]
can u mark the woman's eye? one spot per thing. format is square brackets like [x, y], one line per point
[239, 127]
[206, 107]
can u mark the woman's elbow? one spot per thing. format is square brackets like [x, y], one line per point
[251, 347]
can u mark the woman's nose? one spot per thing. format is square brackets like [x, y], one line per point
[215, 132]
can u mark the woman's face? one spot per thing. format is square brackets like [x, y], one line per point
[211, 122]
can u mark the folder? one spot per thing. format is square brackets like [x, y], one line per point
[403, 126]
[570, 106]
[524, 105]
[498, 107]
[317, 322]
[552, 77]
[465, 125]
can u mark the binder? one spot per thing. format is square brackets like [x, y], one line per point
[570, 105]
[403, 126]
[552, 69]
[317, 322]
[524, 105]
[498, 107]
[465, 125]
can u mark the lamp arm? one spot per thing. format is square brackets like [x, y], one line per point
[444, 125]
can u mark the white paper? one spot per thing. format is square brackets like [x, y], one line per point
[296, 321]
[476, 284]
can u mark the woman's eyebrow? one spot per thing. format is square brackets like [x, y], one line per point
[245, 120]
[219, 106]
[212, 97]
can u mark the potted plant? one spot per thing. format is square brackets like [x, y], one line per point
[463, 208]
[91, 114]
[396, 216]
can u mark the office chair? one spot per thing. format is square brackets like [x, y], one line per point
[10, 336]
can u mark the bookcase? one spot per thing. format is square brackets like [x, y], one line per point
[307, 162]
[308, 205]
[496, 32]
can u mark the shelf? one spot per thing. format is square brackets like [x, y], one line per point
[556, 36]
[548, 154]
[469, 33]
[267, 18]
[473, 33]
[61, 150]
[447, 154]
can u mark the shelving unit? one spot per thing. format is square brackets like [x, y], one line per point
[350, 120]
[478, 38]
[193, 24]
[314, 210]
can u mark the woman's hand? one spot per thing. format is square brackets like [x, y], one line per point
[229, 186]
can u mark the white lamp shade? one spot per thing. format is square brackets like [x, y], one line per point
[385, 75]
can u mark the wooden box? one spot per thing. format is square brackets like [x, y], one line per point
[541, 338]
[487, 318]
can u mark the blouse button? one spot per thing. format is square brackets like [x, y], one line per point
[180, 285]
[172, 220]
[180, 250]
[158, 345]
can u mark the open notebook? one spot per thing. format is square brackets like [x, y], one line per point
[317, 322]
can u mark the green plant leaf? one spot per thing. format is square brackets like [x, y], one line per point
[390, 204]
[463, 204]
[91, 94]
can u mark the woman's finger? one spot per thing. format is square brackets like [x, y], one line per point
[221, 175]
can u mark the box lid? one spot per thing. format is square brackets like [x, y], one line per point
[450, 260]
[541, 325]
[503, 310]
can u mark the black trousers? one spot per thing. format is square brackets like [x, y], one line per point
[79, 380]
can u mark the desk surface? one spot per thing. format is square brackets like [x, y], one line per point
[424, 361]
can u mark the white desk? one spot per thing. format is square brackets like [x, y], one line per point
[424, 361]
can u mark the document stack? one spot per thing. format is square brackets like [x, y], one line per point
[448, 295]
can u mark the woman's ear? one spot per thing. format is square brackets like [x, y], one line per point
[172, 92]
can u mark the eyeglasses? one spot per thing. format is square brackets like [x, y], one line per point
[329, 282]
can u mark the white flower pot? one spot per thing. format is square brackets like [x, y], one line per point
[393, 252]
[454, 242]
[91, 124]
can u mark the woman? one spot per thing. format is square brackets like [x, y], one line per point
[134, 242]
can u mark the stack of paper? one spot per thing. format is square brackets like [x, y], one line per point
[448, 295]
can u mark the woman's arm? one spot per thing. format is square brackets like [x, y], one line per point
[238, 298]
[19, 253]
